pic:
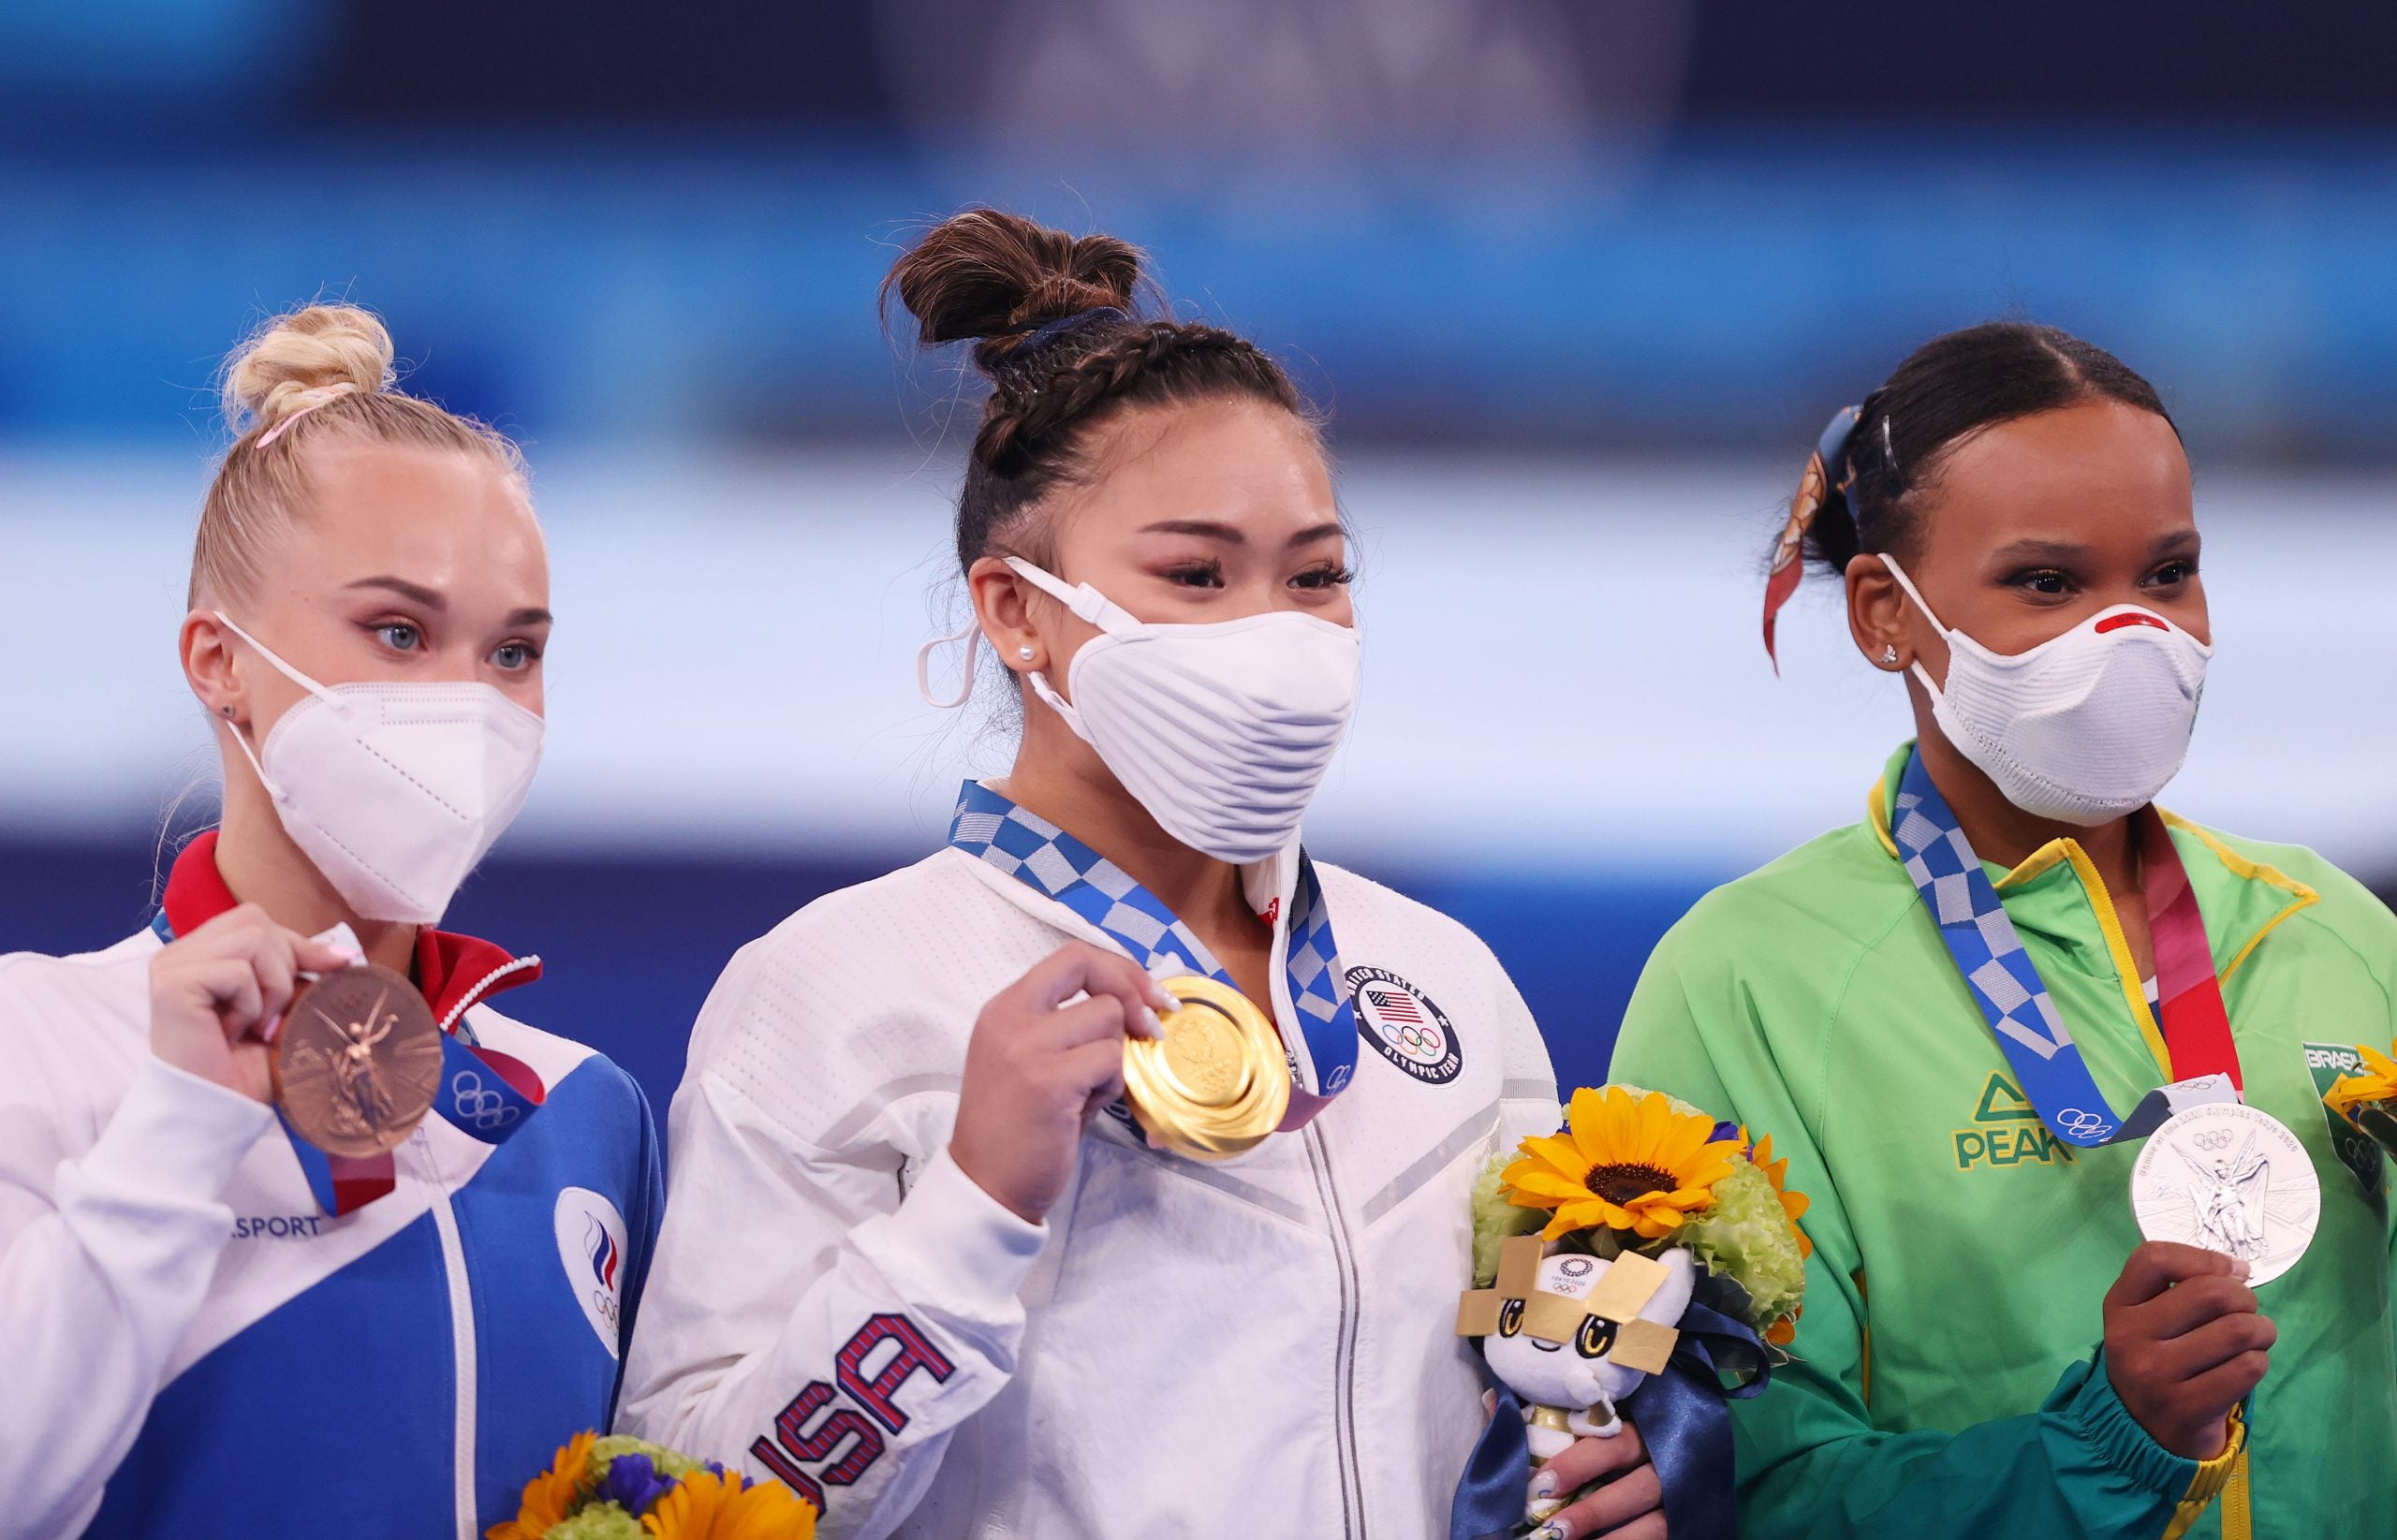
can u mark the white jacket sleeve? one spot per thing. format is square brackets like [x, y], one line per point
[803, 1319]
[104, 1259]
[1528, 1100]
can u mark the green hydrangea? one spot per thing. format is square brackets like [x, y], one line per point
[1745, 1236]
[599, 1522]
[1494, 1219]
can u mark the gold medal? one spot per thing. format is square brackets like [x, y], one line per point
[357, 1061]
[1216, 1081]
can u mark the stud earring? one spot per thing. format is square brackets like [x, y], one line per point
[225, 711]
[1025, 652]
[1889, 656]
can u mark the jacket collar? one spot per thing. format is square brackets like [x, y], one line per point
[2057, 894]
[453, 971]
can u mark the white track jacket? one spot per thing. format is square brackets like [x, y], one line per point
[192, 1347]
[1261, 1347]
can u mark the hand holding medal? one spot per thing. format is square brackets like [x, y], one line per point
[1046, 1057]
[215, 993]
[348, 1051]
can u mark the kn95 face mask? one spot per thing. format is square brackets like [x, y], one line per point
[395, 790]
[2083, 728]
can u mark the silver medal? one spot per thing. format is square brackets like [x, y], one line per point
[2232, 1179]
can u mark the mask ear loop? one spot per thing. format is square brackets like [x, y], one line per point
[1092, 607]
[1912, 592]
[294, 675]
[971, 635]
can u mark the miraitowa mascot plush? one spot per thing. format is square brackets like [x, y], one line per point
[1573, 1334]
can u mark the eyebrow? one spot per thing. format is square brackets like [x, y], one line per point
[406, 590]
[1207, 529]
[2051, 551]
[432, 600]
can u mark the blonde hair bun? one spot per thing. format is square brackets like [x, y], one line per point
[296, 360]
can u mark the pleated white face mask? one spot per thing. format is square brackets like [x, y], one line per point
[395, 790]
[2085, 726]
[1222, 730]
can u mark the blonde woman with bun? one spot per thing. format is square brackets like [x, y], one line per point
[214, 1327]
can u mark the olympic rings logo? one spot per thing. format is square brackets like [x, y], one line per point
[2080, 1124]
[479, 1104]
[1424, 1041]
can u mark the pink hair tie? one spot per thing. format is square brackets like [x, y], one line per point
[322, 395]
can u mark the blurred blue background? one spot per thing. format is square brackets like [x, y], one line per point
[1579, 283]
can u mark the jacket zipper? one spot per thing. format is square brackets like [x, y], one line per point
[461, 1351]
[1352, 1494]
[466, 1378]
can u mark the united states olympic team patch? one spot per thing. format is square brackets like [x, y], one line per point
[1400, 1021]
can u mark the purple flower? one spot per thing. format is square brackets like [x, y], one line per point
[634, 1482]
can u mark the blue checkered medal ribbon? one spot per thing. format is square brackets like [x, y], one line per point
[1037, 853]
[2013, 999]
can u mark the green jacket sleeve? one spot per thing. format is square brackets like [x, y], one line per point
[1811, 1461]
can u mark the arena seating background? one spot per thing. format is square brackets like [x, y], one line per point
[1578, 281]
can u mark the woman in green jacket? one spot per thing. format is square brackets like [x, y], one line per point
[1955, 1016]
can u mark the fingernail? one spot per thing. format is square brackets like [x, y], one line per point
[1544, 1484]
[1161, 999]
[2240, 1268]
[1549, 1532]
[1147, 1024]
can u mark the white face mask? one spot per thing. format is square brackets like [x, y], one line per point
[2085, 726]
[395, 790]
[1223, 730]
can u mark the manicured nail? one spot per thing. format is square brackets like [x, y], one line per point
[2239, 1268]
[1147, 1025]
[1544, 1484]
[1549, 1532]
[1161, 998]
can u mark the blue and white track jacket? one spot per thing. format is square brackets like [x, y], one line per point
[192, 1348]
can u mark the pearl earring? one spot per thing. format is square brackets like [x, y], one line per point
[1025, 652]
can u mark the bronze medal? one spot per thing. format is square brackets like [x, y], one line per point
[357, 1061]
[1216, 1082]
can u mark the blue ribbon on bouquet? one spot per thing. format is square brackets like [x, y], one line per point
[1681, 1418]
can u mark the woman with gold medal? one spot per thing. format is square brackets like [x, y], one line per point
[298, 1235]
[2044, 1056]
[1106, 1173]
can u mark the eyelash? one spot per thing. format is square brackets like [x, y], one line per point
[1211, 575]
[2187, 566]
[380, 629]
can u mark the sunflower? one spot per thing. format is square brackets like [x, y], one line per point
[1626, 1161]
[548, 1496]
[2354, 1090]
[709, 1506]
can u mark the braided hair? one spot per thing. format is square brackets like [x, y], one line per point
[1058, 334]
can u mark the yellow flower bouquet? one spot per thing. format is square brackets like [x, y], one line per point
[623, 1488]
[1629, 1263]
